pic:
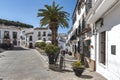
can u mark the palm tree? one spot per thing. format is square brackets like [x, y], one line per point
[53, 16]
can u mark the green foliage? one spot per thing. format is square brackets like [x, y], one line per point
[51, 49]
[53, 13]
[40, 45]
[77, 64]
[15, 23]
[54, 16]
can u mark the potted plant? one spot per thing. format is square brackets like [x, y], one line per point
[51, 51]
[78, 68]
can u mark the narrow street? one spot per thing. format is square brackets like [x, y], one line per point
[22, 65]
[29, 64]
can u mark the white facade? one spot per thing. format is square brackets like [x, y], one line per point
[62, 41]
[105, 41]
[74, 40]
[103, 17]
[24, 35]
[10, 38]
[111, 69]
[43, 34]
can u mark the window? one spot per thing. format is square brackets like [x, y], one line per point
[39, 33]
[44, 33]
[6, 34]
[14, 35]
[79, 30]
[102, 54]
[78, 46]
[83, 22]
[79, 8]
[30, 38]
[44, 39]
[88, 5]
[15, 42]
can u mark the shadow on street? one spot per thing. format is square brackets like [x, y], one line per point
[86, 76]
[15, 48]
[19, 48]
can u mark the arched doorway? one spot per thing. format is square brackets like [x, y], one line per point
[30, 45]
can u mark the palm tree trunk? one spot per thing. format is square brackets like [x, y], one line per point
[54, 37]
[54, 28]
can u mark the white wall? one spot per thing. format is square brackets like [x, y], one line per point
[10, 34]
[112, 26]
[92, 50]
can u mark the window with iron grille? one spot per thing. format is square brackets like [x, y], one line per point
[102, 54]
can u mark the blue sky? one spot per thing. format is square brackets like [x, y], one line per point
[26, 10]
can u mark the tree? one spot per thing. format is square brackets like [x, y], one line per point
[53, 16]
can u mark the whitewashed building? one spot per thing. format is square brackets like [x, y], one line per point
[10, 34]
[62, 37]
[80, 33]
[43, 34]
[97, 24]
[104, 17]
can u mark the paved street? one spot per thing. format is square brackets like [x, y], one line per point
[31, 65]
[22, 65]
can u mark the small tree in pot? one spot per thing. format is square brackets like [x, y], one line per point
[51, 51]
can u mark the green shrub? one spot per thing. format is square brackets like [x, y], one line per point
[51, 49]
[40, 45]
[77, 64]
[37, 44]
